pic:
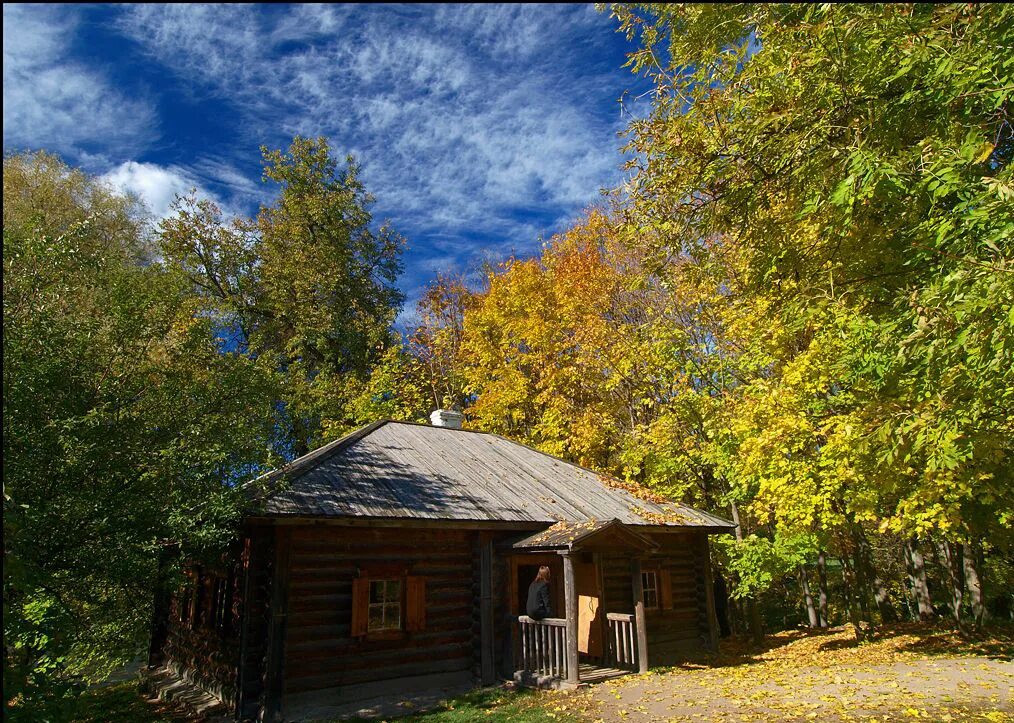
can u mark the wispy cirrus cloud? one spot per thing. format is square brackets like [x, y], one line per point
[462, 114]
[158, 186]
[480, 128]
[55, 102]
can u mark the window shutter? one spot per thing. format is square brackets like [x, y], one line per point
[360, 606]
[415, 603]
[665, 594]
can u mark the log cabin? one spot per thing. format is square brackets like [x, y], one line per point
[399, 558]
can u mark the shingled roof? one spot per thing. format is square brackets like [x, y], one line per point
[402, 470]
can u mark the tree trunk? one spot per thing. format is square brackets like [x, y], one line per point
[860, 587]
[917, 579]
[811, 609]
[973, 583]
[756, 623]
[822, 582]
[950, 557]
[721, 604]
[848, 577]
[753, 612]
[736, 617]
[864, 559]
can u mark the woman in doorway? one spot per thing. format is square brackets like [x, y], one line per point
[539, 605]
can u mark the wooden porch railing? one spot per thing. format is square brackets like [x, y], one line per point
[621, 644]
[543, 646]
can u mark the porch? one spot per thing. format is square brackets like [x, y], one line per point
[601, 635]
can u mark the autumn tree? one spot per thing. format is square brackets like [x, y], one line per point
[860, 158]
[436, 341]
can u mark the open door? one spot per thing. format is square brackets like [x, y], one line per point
[589, 609]
[525, 569]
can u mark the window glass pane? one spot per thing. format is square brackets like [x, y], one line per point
[649, 584]
[392, 615]
[385, 605]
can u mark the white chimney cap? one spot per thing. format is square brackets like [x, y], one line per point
[446, 418]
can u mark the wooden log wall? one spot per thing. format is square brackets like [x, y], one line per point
[202, 629]
[685, 626]
[320, 652]
[258, 554]
[619, 596]
[475, 625]
[503, 620]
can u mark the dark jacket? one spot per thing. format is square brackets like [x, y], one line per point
[539, 605]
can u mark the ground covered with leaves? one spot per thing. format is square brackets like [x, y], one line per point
[910, 672]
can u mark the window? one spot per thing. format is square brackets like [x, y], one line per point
[385, 605]
[649, 589]
[206, 600]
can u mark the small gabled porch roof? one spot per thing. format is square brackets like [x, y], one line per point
[575, 536]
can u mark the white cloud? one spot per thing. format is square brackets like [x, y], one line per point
[481, 128]
[158, 185]
[464, 113]
[55, 103]
[153, 184]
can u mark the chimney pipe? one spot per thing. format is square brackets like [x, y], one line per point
[446, 418]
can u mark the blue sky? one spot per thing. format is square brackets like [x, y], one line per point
[480, 128]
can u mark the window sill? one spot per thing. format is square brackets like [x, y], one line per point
[385, 635]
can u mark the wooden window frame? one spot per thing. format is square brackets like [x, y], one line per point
[663, 582]
[655, 588]
[206, 600]
[412, 614]
[386, 604]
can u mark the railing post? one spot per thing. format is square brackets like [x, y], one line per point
[570, 594]
[639, 621]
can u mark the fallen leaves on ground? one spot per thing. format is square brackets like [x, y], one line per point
[910, 672]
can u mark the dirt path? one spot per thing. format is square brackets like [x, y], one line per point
[931, 689]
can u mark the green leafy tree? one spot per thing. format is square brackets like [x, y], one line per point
[124, 424]
[308, 287]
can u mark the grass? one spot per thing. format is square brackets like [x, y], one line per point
[494, 705]
[123, 703]
[120, 703]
